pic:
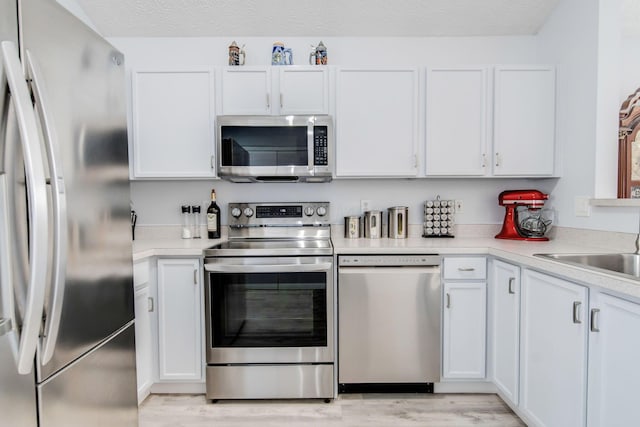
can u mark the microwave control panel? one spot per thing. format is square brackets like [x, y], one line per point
[320, 148]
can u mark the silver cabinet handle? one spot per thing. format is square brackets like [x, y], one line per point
[195, 277]
[13, 77]
[213, 162]
[5, 326]
[268, 101]
[466, 269]
[498, 159]
[576, 311]
[448, 300]
[594, 319]
[59, 205]
[281, 96]
[150, 304]
[484, 160]
[512, 280]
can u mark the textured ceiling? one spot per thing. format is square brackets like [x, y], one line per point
[184, 18]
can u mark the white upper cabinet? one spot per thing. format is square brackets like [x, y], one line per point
[304, 90]
[275, 90]
[456, 121]
[172, 114]
[377, 122]
[524, 121]
[246, 91]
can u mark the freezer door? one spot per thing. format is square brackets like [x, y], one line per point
[79, 92]
[17, 392]
[98, 390]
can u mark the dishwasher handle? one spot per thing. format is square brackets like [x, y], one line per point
[429, 269]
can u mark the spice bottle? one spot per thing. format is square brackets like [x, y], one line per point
[186, 226]
[196, 221]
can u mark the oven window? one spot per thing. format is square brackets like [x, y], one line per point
[264, 146]
[269, 309]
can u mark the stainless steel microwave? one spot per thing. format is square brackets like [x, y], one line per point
[275, 148]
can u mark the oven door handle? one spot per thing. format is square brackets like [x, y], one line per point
[270, 268]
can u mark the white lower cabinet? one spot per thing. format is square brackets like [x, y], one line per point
[464, 330]
[143, 307]
[505, 295]
[553, 351]
[614, 362]
[180, 320]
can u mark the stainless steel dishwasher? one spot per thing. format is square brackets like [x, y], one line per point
[388, 323]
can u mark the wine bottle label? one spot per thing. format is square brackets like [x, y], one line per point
[212, 222]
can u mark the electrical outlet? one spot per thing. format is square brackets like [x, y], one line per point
[581, 206]
[459, 206]
[365, 205]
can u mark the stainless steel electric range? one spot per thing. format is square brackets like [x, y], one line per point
[269, 304]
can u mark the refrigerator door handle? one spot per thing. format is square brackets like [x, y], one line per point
[13, 78]
[53, 309]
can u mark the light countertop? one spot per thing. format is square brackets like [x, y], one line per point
[518, 252]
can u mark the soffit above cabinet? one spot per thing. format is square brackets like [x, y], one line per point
[291, 18]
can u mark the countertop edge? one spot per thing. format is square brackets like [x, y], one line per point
[521, 253]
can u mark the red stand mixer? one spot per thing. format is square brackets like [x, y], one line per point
[532, 227]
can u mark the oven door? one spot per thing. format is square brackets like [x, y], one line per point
[269, 310]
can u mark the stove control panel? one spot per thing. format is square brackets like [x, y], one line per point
[278, 214]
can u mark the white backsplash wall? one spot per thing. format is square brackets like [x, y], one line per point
[158, 202]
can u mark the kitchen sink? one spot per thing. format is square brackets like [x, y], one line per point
[626, 265]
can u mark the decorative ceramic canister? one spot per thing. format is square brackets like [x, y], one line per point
[318, 55]
[281, 55]
[235, 53]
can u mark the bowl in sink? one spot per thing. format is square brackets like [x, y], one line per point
[623, 264]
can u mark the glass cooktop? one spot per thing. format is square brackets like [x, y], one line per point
[269, 247]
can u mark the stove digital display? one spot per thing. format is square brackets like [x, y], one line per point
[278, 211]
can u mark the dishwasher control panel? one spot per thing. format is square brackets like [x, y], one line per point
[388, 260]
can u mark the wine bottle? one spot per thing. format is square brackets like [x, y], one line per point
[213, 218]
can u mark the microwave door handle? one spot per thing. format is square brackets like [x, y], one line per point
[13, 77]
[282, 268]
[59, 204]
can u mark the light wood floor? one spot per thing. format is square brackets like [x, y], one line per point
[374, 410]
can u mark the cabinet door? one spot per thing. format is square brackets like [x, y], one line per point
[464, 330]
[456, 123]
[554, 350]
[304, 90]
[524, 121]
[505, 292]
[246, 91]
[144, 357]
[614, 368]
[173, 115]
[376, 122]
[180, 319]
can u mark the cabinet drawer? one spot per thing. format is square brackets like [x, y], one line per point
[465, 268]
[140, 273]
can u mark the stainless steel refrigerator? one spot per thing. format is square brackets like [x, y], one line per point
[67, 355]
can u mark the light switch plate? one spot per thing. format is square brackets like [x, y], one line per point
[582, 206]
